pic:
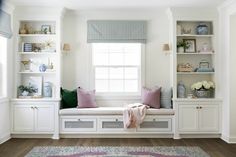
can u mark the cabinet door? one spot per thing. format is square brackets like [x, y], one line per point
[44, 118]
[188, 118]
[209, 118]
[23, 118]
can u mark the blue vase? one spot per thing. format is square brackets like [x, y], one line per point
[42, 68]
[47, 89]
[181, 90]
[202, 29]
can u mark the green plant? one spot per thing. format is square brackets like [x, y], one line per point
[29, 89]
[183, 44]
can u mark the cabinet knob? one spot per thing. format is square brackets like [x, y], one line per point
[32, 107]
[154, 120]
[197, 107]
[36, 107]
[116, 120]
[200, 107]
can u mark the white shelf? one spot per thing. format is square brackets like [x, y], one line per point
[196, 53]
[35, 100]
[37, 53]
[195, 73]
[46, 72]
[196, 99]
[37, 35]
[195, 35]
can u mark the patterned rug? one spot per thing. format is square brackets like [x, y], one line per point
[117, 152]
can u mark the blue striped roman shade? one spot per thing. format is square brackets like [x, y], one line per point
[5, 24]
[116, 31]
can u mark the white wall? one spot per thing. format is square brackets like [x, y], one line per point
[76, 64]
[232, 75]
[4, 120]
[227, 38]
[4, 102]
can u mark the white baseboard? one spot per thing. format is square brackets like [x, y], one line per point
[5, 138]
[31, 136]
[200, 135]
[116, 136]
[230, 140]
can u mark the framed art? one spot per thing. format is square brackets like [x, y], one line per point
[191, 45]
[36, 82]
[46, 29]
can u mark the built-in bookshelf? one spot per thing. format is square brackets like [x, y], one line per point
[37, 59]
[194, 57]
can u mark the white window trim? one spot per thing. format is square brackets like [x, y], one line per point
[117, 96]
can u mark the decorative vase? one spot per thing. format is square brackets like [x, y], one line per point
[42, 68]
[203, 93]
[202, 29]
[180, 49]
[181, 90]
[47, 89]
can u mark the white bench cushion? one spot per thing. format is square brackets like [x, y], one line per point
[111, 111]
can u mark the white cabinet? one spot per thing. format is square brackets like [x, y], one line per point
[188, 118]
[33, 117]
[209, 118]
[44, 118]
[23, 118]
[202, 118]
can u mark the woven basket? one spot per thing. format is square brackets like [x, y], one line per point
[185, 68]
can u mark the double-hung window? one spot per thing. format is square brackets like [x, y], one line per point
[3, 72]
[117, 68]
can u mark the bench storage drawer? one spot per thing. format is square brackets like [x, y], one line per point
[112, 124]
[78, 124]
[156, 124]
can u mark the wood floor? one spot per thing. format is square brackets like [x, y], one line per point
[20, 147]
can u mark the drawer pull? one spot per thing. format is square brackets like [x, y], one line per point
[154, 120]
[116, 120]
[78, 119]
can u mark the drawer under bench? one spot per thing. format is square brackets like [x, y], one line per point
[111, 124]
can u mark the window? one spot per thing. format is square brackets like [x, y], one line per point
[3, 58]
[117, 67]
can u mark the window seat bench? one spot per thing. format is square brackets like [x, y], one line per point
[111, 111]
[108, 122]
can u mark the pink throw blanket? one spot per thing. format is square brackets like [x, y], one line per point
[134, 115]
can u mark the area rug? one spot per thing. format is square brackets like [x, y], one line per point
[117, 152]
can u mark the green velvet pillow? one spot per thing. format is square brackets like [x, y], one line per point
[68, 98]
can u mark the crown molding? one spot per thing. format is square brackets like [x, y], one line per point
[8, 7]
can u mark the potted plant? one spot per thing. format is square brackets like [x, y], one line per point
[182, 45]
[26, 90]
[203, 89]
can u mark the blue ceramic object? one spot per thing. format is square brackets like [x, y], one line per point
[181, 90]
[47, 89]
[42, 68]
[202, 29]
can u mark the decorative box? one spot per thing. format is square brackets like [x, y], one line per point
[185, 67]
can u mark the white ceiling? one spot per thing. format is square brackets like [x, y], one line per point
[117, 4]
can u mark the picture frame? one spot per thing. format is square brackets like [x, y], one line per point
[36, 82]
[46, 29]
[191, 45]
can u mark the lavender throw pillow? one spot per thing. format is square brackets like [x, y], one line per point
[152, 97]
[86, 99]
